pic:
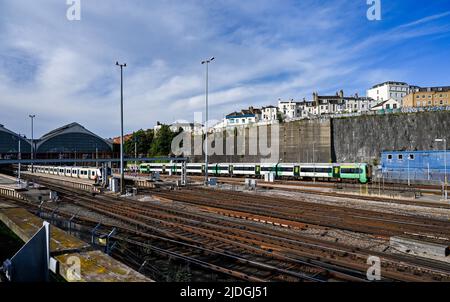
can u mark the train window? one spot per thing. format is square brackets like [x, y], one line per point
[282, 169]
[351, 171]
[400, 157]
[389, 157]
[244, 168]
[411, 156]
[266, 169]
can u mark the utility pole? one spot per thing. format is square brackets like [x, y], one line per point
[135, 151]
[206, 62]
[444, 140]
[32, 116]
[19, 156]
[314, 162]
[122, 177]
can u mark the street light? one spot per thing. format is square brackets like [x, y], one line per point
[32, 116]
[122, 178]
[206, 62]
[444, 140]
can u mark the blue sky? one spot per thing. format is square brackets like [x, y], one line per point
[63, 71]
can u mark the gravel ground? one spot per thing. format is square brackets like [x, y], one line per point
[383, 207]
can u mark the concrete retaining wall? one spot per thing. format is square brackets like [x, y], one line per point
[362, 139]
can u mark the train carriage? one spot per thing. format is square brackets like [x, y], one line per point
[316, 170]
[341, 172]
[195, 168]
[357, 172]
[223, 169]
[246, 169]
[287, 170]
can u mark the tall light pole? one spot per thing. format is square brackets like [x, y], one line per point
[32, 116]
[135, 150]
[444, 140]
[19, 156]
[122, 178]
[206, 62]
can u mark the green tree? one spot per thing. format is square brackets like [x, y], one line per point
[162, 142]
[143, 139]
[280, 117]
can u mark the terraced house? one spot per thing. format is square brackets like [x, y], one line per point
[428, 97]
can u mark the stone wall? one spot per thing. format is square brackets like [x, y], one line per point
[352, 139]
[362, 139]
[296, 144]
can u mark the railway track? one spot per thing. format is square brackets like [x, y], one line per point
[293, 186]
[262, 252]
[308, 213]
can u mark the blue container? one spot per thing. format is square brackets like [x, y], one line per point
[418, 166]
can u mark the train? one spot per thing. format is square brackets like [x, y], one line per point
[359, 172]
[73, 172]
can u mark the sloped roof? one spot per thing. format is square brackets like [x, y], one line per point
[70, 128]
[9, 141]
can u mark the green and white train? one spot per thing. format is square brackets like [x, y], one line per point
[359, 172]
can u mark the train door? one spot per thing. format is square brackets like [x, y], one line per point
[258, 170]
[336, 172]
[296, 171]
[230, 170]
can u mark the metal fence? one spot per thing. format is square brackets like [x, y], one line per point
[414, 175]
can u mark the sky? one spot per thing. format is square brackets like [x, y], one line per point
[64, 71]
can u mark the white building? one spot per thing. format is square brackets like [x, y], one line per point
[290, 109]
[336, 104]
[186, 126]
[245, 117]
[269, 113]
[388, 104]
[390, 90]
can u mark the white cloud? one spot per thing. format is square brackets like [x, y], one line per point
[264, 50]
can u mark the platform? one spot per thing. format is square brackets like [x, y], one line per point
[426, 248]
[95, 265]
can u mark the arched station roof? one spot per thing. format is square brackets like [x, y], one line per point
[9, 142]
[72, 138]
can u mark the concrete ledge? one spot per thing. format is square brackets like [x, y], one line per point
[10, 192]
[419, 247]
[95, 265]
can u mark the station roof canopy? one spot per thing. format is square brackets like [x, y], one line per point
[9, 142]
[72, 138]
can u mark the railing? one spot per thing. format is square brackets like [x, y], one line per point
[10, 192]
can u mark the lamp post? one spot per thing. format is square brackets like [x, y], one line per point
[444, 140]
[32, 116]
[20, 157]
[135, 151]
[122, 178]
[206, 62]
